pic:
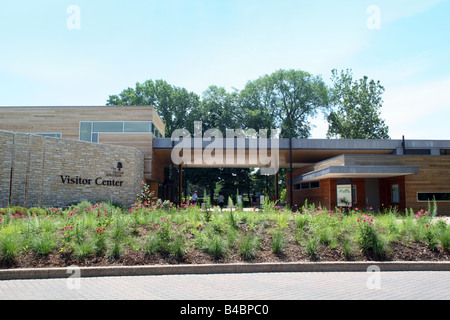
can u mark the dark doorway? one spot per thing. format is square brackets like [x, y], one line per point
[372, 193]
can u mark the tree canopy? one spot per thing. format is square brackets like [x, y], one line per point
[355, 108]
[286, 99]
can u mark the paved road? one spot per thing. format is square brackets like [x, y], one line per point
[251, 286]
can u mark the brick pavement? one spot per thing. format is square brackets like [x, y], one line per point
[250, 286]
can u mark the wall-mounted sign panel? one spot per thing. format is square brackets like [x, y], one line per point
[344, 195]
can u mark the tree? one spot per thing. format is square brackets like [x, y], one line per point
[175, 105]
[355, 108]
[285, 99]
[219, 109]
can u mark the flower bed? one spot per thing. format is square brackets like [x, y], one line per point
[102, 234]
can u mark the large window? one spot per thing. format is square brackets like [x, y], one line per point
[445, 152]
[89, 130]
[429, 196]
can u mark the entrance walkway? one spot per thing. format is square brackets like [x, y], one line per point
[255, 286]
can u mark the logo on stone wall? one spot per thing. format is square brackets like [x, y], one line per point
[116, 171]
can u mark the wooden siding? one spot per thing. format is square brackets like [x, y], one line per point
[433, 176]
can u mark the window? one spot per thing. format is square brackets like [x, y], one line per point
[307, 185]
[418, 152]
[429, 196]
[137, 126]
[354, 194]
[89, 130]
[55, 135]
[107, 126]
[445, 152]
[315, 184]
[395, 193]
[86, 131]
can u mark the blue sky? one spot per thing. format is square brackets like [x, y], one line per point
[195, 44]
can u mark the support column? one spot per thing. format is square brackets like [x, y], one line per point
[180, 185]
[277, 196]
[290, 173]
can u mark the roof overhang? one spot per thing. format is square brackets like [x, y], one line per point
[357, 172]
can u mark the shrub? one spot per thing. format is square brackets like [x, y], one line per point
[370, 242]
[37, 211]
[16, 210]
[430, 238]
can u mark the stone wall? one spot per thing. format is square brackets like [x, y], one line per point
[40, 171]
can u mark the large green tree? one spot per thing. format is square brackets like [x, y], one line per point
[356, 108]
[176, 106]
[285, 99]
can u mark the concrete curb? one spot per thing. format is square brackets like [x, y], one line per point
[109, 271]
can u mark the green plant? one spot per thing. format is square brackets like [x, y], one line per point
[115, 248]
[177, 246]
[278, 241]
[83, 250]
[311, 245]
[43, 244]
[444, 238]
[145, 196]
[152, 245]
[37, 211]
[430, 238]
[10, 246]
[369, 241]
[232, 220]
[216, 246]
[348, 249]
[248, 246]
[301, 220]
